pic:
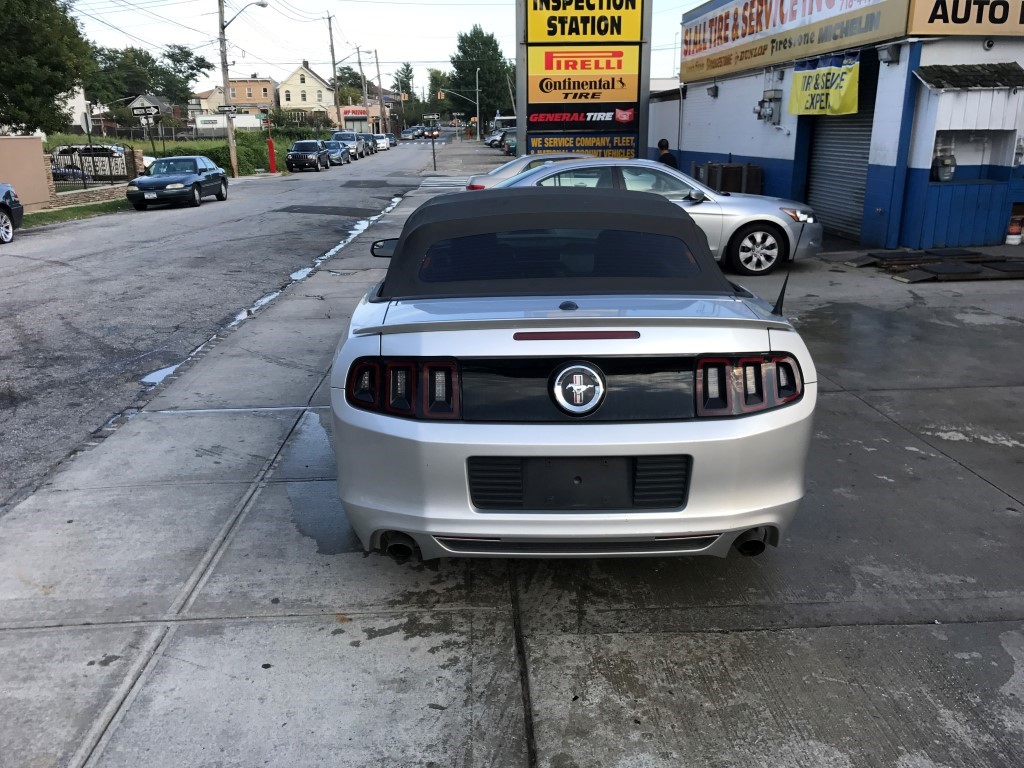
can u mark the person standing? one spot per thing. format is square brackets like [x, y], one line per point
[667, 157]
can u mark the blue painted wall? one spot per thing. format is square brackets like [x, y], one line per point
[777, 175]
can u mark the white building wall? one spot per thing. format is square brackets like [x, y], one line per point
[728, 124]
[885, 128]
[971, 50]
[663, 123]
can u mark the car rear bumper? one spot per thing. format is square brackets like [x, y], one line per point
[411, 477]
[810, 241]
[17, 214]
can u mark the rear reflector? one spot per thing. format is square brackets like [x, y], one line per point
[473, 187]
[573, 335]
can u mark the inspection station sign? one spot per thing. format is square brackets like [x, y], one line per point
[729, 36]
[994, 18]
[581, 21]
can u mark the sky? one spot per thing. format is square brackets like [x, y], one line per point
[273, 41]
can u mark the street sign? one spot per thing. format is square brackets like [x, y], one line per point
[458, 114]
[431, 117]
[151, 110]
[226, 109]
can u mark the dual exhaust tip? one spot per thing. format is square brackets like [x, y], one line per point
[401, 546]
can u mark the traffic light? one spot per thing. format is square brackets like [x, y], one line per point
[440, 95]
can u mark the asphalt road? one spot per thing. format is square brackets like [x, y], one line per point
[90, 308]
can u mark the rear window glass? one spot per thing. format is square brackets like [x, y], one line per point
[565, 257]
[305, 146]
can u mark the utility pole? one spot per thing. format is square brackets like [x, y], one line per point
[362, 77]
[479, 133]
[230, 121]
[334, 73]
[380, 95]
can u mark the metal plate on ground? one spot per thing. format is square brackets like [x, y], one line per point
[952, 268]
[951, 252]
[1015, 267]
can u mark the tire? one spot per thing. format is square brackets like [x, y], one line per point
[222, 193]
[316, 166]
[6, 227]
[140, 206]
[197, 196]
[757, 249]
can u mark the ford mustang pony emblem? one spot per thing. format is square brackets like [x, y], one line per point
[578, 389]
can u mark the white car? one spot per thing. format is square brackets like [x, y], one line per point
[566, 373]
[381, 140]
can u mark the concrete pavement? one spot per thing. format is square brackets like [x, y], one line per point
[188, 593]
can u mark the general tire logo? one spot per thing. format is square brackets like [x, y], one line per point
[578, 389]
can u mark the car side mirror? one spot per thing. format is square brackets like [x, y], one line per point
[384, 249]
[697, 195]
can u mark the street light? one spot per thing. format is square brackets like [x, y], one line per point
[232, 149]
[479, 134]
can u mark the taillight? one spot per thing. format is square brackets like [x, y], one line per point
[733, 386]
[415, 388]
[474, 187]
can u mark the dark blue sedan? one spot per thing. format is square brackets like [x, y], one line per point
[185, 179]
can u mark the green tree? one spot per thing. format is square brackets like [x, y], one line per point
[402, 82]
[45, 58]
[349, 85]
[177, 71]
[477, 48]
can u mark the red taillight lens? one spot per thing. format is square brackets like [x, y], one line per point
[415, 388]
[734, 386]
[473, 187]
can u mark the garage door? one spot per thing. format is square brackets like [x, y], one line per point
[840, 144]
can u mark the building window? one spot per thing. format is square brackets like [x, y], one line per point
[319, 95]
[302, 79]
[248, 93]
[232, 93]
[303, 96]
[266, 93]
[287, 95]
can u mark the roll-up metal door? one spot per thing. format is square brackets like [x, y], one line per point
[840, 144]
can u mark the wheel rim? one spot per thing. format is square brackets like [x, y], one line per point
[6, 228]
[195, 194]
[759, 251]
[223, 189]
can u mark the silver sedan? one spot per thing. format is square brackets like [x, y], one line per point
[752, 234]
[516, 167]
[550, 373]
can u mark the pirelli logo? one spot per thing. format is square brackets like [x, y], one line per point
[594, 61]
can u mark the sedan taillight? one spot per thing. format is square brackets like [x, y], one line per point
[473, 187]
[416, 388]
[742, 384]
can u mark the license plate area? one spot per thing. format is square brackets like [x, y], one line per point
[601, 482]
[150, 195]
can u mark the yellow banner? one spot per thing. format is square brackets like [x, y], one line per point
[964, 17]
[739, 35]
[826, 86]
[583, 21]
[583, 74]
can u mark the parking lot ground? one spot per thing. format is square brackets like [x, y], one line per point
[188, 593]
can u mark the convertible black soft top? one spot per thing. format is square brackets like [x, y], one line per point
[464, 216]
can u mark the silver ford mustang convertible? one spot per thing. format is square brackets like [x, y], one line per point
[566, 373]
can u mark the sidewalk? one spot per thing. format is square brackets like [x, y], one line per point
[188, 593]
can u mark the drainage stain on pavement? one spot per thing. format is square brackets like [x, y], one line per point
[322, 519]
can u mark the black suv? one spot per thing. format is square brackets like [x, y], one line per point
[311, 153]
[371, 143]
[11, 212]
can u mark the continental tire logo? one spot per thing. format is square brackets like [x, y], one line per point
[551, 85]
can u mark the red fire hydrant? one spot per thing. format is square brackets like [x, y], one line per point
[270, 152]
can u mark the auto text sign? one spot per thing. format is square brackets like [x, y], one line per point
[738, 35]
[583, 74]
[583, 21]
[967, 17]
[599, 145]
[593, 118]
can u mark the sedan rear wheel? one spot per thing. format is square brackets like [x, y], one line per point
[757, 249]
[197, 196]
[222, 193]
[6, 227]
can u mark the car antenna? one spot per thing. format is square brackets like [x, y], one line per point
[777, 309]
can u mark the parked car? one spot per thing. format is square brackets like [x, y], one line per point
[68, 173]
[371, 143]
[337, 152]
[579, 378]
[185, 179]
[309, 153]
[517, 166]
[382, 142]
[408, 134]
[356, 143]
[392, 141]
[752, 234]
[12, 212]
[496, 139]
